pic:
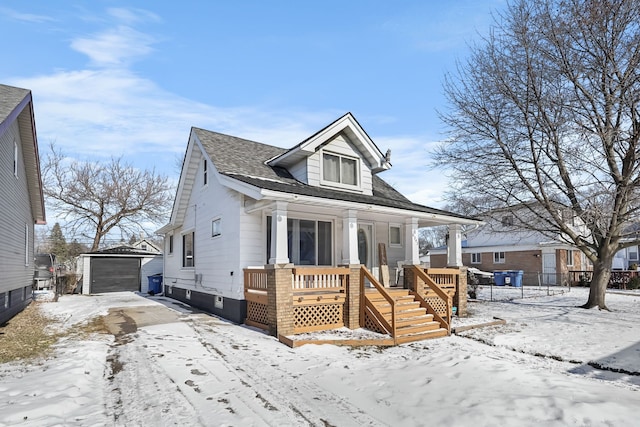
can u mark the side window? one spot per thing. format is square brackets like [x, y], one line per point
[15, 158]
[188, 255]
[498, 258]
[171, 244]
[26, 245]
[205, 176]
[476, 258]
[216, 229]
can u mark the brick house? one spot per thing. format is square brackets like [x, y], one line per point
[498, 246]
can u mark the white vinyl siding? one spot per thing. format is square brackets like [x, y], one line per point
[219, 260]
[16, 218]
[299, 171]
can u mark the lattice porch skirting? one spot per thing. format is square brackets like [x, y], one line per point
[317, 317]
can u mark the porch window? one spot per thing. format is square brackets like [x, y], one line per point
[395, 235]
[339, 169]
[476, 258]
[569, 258]
[188, 259]
[309, 241]
[498, 258]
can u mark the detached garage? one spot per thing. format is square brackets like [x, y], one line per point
[118, 269]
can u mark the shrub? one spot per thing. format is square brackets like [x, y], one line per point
[634, 283]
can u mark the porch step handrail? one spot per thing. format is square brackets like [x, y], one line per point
[419, 272]
[364, 301]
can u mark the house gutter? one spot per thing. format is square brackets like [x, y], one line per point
[297, 198]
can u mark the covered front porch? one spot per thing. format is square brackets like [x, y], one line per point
[286, 300]
[325, 269]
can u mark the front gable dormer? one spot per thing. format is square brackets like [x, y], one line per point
[340, 156]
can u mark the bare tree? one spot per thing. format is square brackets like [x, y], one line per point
[98, 198]
[544, 116]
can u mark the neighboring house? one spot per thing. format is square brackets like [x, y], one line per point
[498, 246]
[21, 199]
[626, 258]
[244, 204]
[146, 245]
[118, 269]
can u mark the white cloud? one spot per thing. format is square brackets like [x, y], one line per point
[114, 47]
[27, 17]
[133, 15]
[413, 173]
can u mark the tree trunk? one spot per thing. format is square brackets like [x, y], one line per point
[599, 282]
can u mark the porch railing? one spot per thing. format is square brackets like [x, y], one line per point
[314, 279]
[319, 296]
[437, 292]
[366, 306]
[255, 292]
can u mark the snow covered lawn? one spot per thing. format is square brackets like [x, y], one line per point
[551, 364]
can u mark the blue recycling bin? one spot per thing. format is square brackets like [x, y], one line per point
[155, 284]
[516, 277]
[499, 277]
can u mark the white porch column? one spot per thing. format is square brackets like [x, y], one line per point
[454, 246]
[279, 246]
[350, 238]
[411, 247]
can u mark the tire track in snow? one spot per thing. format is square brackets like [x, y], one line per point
[209, 383]
[288, 389]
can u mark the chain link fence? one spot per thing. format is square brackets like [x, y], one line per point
[519, 285]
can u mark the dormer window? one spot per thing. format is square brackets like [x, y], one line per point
[339, 169]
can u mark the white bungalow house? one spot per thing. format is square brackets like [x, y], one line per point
[244, 204]
[21, 199]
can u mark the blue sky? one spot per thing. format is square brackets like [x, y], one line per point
[130, 78]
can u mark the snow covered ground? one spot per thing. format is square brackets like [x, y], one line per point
[551, 364]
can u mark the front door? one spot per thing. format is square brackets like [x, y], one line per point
[365, 245]
[549, 269]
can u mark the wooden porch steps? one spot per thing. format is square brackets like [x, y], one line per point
[413, 323]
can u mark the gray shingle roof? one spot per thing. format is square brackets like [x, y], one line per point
[244, 160]
[10, 98]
